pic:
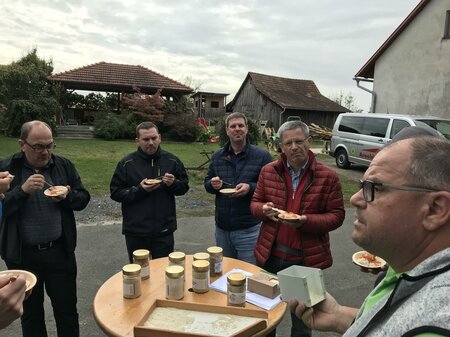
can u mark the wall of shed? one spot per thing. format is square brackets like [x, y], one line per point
[413, 75]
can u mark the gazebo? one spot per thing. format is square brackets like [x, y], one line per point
[120, 79]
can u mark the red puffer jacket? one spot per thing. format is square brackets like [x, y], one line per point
[319, 198]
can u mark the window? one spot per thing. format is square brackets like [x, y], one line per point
[376, 127]
[351, 124]
[397, 125]
[447, 26]
[214, 104]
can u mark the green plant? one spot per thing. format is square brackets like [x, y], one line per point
[111, 126]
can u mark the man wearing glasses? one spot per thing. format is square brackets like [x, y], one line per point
[298, 184]
[38, 233]
[403, 216]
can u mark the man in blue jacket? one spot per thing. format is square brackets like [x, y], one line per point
[236, 165]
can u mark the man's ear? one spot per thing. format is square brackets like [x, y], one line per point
[438, 210]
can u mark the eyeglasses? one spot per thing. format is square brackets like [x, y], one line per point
[297, 142]
[40, 147]
[369, 187]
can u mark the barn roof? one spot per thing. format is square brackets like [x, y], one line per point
[291, 93]
[113, 77]
[368, 69]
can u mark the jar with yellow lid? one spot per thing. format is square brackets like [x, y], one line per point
[236, 288]
[202, 256]
[177, 259]
[174, 282]
[200, 276]
[215, 260]
[142, 257]
[131, 275]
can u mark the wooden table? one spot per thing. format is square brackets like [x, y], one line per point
[117, 316]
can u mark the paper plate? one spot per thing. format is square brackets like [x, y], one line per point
[152, 181]
[55, 191]
[367, 260]
[227, 191]
[29, 277]
[288, 216]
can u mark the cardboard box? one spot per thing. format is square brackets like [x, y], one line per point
[218, 316]
[263, 284]
[302, 283]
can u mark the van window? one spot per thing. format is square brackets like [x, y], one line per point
[442, 125]
[397, 125]
[351, 124]
[376, 127]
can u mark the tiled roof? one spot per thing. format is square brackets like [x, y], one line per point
[118, 77]
[291, 93]
[368, 69]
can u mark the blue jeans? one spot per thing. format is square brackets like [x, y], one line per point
[238, 244]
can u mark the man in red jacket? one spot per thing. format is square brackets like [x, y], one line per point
[298, 184]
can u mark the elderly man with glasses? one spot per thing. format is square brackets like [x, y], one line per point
[403, 216]
[38, 233]
[296, 183]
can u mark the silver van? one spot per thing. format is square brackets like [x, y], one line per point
[357, 137]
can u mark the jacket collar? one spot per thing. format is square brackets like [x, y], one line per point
[146, 156]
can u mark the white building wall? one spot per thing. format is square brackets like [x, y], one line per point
[413, 75]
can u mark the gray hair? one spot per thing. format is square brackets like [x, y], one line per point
[235, 115]
[292, 125]
[430, 163]
[27, 126]
[145, 126]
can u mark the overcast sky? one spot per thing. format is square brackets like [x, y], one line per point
[215, 43]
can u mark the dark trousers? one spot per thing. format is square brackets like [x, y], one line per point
[159, 247]
[56, 271]
[298, 328]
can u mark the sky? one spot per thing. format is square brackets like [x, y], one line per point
[212, 43]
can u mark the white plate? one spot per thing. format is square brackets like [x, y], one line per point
[55, 191]
[29, 277]
[227, 191]
[362, 259]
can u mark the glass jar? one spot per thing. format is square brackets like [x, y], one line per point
[174, 282]
[131, 275]
[236, 288]
[202, 256]
[142, 257]
[215, 260]
[200, 276]
[177, 259]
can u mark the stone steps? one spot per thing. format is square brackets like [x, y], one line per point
[75, 131]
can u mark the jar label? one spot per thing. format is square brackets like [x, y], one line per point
[236, 298]
[128, 290]
[218, 267]
[145, 272]
[200, 284]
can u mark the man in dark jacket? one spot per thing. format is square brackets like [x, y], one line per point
[298, 184]
[237, 166]
[38, 233]
[148, 206]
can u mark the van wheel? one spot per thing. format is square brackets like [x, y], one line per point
[342, 159]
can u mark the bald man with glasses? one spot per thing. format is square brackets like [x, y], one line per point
[403, 216]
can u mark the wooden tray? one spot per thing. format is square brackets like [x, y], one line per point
[256, 323]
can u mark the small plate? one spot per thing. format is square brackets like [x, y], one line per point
[288, 216]
[228, 191]
[29, 277]
[367, 260]
[55, 191]
[150, 181]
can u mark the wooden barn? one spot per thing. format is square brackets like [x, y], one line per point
[275, 99]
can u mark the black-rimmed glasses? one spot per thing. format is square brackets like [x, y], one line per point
[368, 188]
[41, 147]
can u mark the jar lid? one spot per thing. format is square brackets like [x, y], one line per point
[215, 250]
[141, 254]
[201, 256]
[200, 265]
[236, 279]
[177, 256]
[131, 269]
[174, 271]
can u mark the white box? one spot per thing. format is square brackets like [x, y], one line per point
[302, 283]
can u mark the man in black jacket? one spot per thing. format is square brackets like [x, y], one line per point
[146, 183]
[38, 233]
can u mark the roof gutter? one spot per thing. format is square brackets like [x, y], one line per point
[373, 93]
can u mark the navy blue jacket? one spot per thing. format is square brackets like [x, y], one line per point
[148, 213]
[234, 213]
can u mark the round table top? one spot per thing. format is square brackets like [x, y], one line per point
[117, 316]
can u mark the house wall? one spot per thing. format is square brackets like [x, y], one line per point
[413, 75]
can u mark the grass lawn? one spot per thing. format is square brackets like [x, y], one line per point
[96, 161]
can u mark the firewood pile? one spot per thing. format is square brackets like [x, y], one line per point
[321, 132]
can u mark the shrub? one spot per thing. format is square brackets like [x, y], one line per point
[111, 126]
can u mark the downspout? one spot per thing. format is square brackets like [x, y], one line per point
[373, 93]
[281, 117]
